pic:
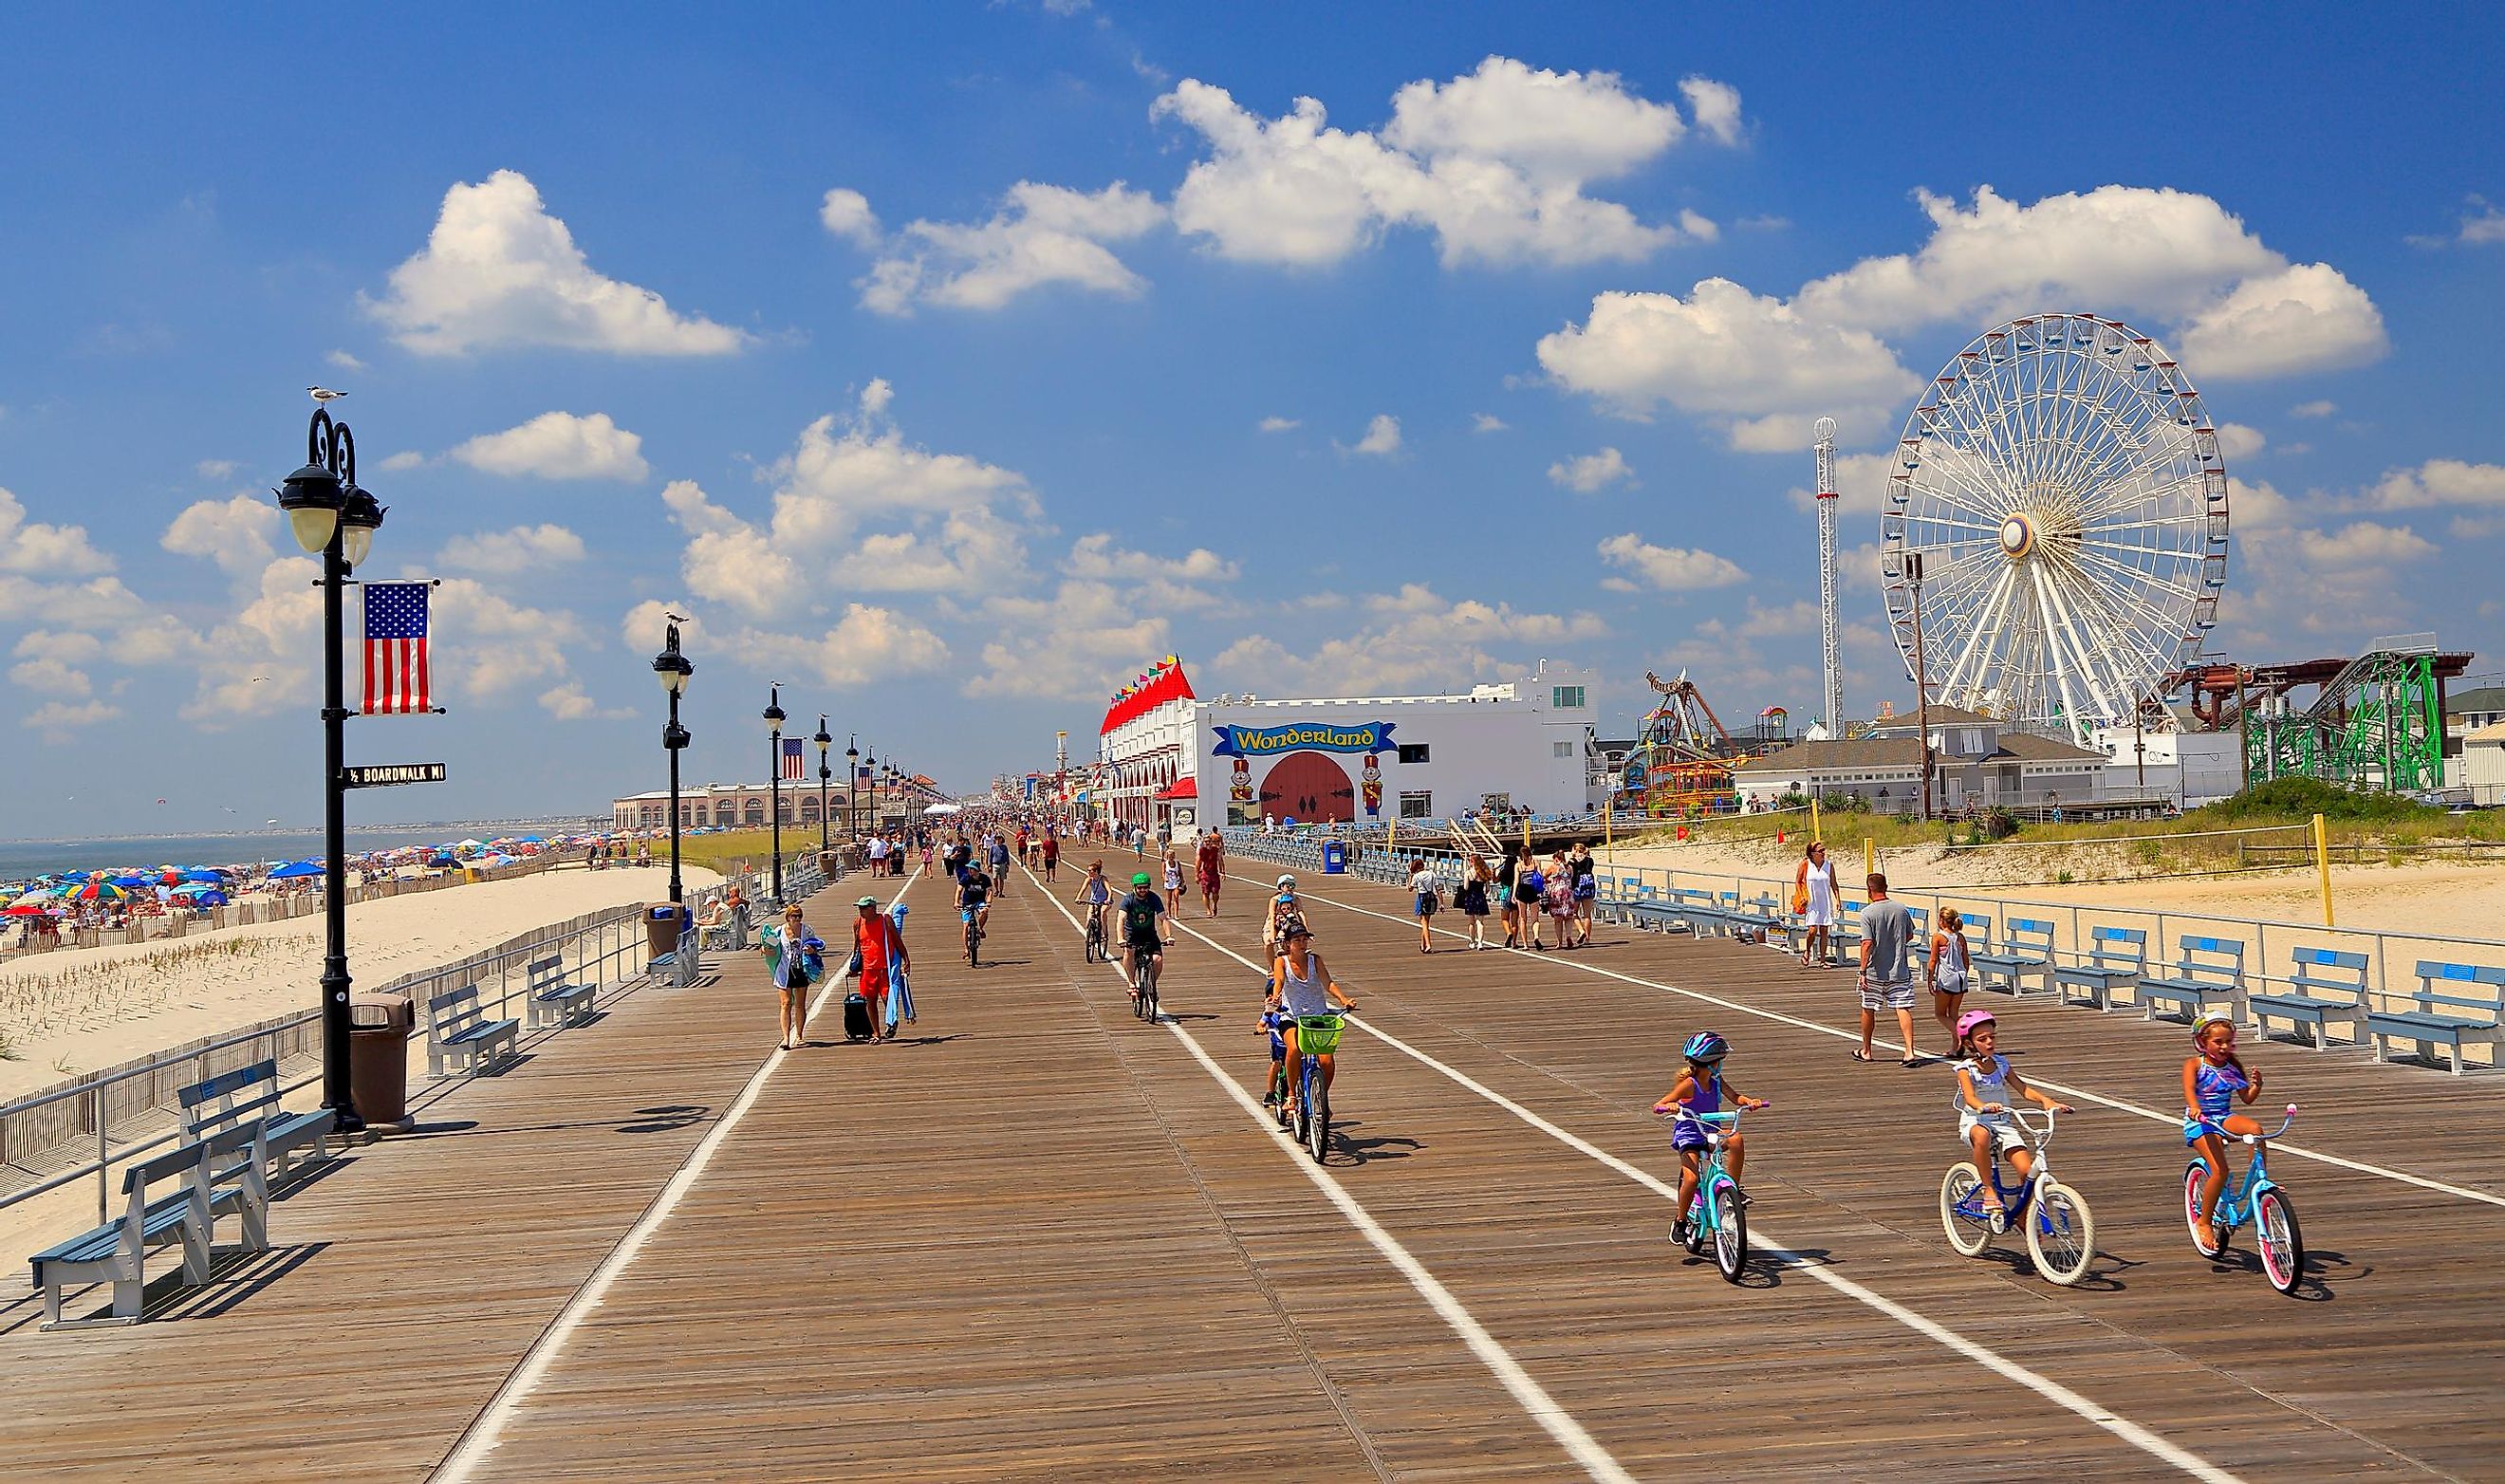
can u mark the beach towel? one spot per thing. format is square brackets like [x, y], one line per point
[899, 999]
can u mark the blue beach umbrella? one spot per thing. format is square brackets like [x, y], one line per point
[295, 871]
[128, 882]
[203, 874]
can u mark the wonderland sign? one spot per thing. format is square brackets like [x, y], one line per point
[1254, 741]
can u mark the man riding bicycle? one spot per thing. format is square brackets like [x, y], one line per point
[1143, 921]
[974, 898]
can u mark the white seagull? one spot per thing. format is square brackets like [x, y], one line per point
[323, 393]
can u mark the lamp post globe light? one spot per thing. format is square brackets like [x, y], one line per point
[852, 787]
[774, 780]
[825, 740]
[332, 518]
[672, 669]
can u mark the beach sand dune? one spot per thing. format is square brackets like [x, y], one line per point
[75, 1011]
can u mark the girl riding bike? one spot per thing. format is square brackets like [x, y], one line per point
[2213, 1077]
[1700, 1089]
[1985, 1083]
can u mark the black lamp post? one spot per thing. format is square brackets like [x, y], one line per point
[852, 789]
[823, 741]
[774, 780]
[673, 668]
[869, 761]
[332, 518]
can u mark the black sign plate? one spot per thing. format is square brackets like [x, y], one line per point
[376, 775]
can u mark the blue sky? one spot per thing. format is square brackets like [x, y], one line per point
[953, 450]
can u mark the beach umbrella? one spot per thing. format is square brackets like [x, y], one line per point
[295, 871]
[199, 874]
[128, 882]
[101, 891]
[28, 906]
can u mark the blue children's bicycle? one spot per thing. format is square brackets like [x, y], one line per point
[1718, 1208]
[2258, 1200]
[2061, 1230]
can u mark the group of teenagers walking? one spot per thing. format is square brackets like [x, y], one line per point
[1518, 890]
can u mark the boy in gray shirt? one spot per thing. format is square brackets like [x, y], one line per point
[1887, 969]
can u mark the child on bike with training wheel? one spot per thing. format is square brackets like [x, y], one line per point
[1986, 1084]
[2213, 1077]
[1700, 1089]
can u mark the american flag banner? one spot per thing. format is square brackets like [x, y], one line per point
[791, 757]
[865, 775]
[396, 658]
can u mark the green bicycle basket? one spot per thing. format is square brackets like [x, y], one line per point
[1317, 1035]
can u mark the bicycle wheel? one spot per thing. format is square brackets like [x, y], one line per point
[2280, 1239]
[1317, 1123]
[1730, 1229]
[1304, 1110]
[2062, 1233]
[1150, 996]
[1967, 1233]
[2193, 1174]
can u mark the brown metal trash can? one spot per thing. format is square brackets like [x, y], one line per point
[378, 1032]
[662, 926]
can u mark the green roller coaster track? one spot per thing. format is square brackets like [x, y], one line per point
[2378, 725]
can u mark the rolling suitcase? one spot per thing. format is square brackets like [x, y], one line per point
[856, 1017]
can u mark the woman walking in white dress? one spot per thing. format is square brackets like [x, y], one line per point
[1815, 891]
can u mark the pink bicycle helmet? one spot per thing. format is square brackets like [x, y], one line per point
[1966, 1022]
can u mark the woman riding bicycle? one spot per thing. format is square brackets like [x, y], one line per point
[1303, 987]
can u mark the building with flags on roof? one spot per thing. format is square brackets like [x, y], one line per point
[1174, 762]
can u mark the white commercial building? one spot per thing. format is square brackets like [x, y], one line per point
[1180, 762]
[2190, 767]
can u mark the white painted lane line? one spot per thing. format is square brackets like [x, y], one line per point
[1544, 1409]
[487, 1429]
[2118, 1105]
[1929, 1328]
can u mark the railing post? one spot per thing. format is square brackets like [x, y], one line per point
[103, 1211]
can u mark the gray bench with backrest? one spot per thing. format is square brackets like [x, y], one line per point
[2206, 971]
[211, 1184]
[1756, 920]
[2453, 1004]
[2117, 960]
[246, 1093]
[2324, 986]
[551, 999]
[2025, 948]
[459, 1033]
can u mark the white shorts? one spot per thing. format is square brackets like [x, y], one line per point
[1877, 995]
[2004, 1131]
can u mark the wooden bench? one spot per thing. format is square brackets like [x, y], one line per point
[1756, 920]
[212, 1184]
[2443, 989]
[2206, 968]
[2025, 948]
[551, 999]
[2325, 985]
[459, 1032]
[250, 1093]
[2117, 960]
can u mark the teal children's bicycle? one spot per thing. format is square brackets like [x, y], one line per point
[1717, 1211]
[2258, 1199]
[2061, 1230]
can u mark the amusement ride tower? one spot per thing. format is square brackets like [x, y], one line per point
[1826, 500]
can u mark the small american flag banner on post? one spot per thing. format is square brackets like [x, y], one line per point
[396, 658]
[791, 757]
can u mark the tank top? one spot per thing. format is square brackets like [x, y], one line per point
[1952, 963]
[1707, 1100]
[1302, 994]
[1991, 1083]
[2216, 1088]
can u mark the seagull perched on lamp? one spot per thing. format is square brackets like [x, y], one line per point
[324, 394]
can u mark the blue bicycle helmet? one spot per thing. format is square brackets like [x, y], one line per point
[1706, 1047]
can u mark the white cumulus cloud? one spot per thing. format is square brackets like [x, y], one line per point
[50, 675]
[1488, 422]
[1279, 424]
[504, 554]
[1669, 568]
[2440, 482]
[58, 720]
[1381, 437]
[2306, 317]
[45, 550]
[233, 533]
[559, 445]
[2320, 407]
[1586, 474]
[1041, 234]
[847, 214]
[868, 643]
[499, 271]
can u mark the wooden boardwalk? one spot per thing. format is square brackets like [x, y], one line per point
[1039, 1240]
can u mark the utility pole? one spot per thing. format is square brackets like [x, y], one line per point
[1921, 677]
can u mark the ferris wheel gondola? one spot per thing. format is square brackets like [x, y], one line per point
[2062, 486]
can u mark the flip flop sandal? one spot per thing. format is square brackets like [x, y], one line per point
[1860, 1056]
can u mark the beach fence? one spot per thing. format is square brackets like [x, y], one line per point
[86, 1128]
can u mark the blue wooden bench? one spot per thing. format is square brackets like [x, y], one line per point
[2325, 986]
[551, 999]
[2025, 948]
[248, 1094]
[2435, 1018]
[211, 1184]
[459, 1033]
[2117, 960]
[2207, 969]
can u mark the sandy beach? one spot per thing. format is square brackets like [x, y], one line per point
[74, 1011]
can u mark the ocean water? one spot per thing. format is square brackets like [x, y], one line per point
[20, 859]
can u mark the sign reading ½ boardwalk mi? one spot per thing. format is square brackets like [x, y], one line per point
[375, 775]
[1253, 741]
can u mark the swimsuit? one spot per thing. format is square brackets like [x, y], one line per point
[2216, 1089]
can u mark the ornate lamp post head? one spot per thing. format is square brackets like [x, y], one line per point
[774, 710]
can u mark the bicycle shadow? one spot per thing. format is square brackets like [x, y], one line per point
[1368, 1151]
[2100, 1278]
[2312, 1286]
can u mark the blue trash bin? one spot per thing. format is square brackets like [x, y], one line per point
[1335, 858]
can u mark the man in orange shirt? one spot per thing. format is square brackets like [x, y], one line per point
[879, 944]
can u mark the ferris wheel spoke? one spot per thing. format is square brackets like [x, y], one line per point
[2055, 651]
[2087, 660]
[2136, 575]
[2126, 624]
[1986, 629]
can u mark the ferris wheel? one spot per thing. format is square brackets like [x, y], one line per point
[2058, 520]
